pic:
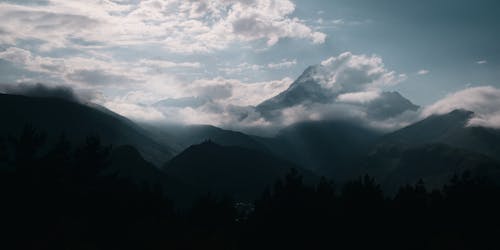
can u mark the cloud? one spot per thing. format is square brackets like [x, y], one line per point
[168, 64]
[352, 73]
[283, 64]
[347, 86]
[40, 90]
[97, 77]
[359, 97]
[423, 72]
[176, 25]
[216, 101]
[269, 19]
[244, 68]
[484, 101]
[76, 70]
[482, 62]
[134, 111]
[241, 68]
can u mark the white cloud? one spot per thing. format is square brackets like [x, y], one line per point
[285, 63]
[359, 97]
[482, 62]
[352, 73]
[241, 68]
[178, 26]
[483, 101]
[168, 64]
[134, 111]
[222, 102]
[236, 92]
[423, 72]
[246, 68]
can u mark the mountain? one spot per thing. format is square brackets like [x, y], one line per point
[326, 147]
[307, 89]
[57, 116]
[304, 89]
[389, 104]
[450, 129]
[229, 170]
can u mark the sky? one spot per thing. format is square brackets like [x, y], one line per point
[195, 61]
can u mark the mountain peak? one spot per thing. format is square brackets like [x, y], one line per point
[316, 85]
[466, 114]
[305, 89]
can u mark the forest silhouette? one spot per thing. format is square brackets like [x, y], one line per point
[63, 196]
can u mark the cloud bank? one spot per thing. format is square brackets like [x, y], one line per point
[483, 101]
[177, 25]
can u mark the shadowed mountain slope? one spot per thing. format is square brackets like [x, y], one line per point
[327, 147]
[76, 121]
[451, 129]
[435, 164]
[227, 170]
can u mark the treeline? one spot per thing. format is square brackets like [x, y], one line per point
[62, 197]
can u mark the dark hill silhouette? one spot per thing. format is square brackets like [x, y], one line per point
[228, 170]
[76, 121]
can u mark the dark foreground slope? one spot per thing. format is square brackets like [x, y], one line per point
[76, 121]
